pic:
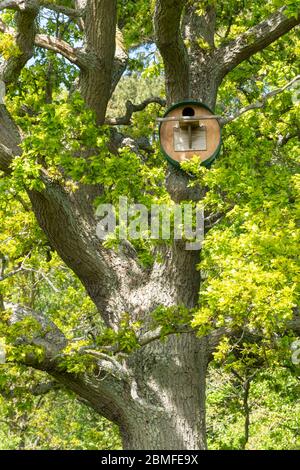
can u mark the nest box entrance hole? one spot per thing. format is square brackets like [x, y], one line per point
[188, 111]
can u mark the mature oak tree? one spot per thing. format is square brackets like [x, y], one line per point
[156, 393]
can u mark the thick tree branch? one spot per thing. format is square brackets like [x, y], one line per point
[70, 12]
[47, 336]
[20, 5]
[254, 40]
[134, 108]
[103, 61]
[167, 22]
[27, 11]
[107, 276]
[109, 390]
[74, 55]
[104, 273]
[112, 366]
[106, 390]
[25, 4]
[260, 103]
[100, 29]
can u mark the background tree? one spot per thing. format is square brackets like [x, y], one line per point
[142, 360]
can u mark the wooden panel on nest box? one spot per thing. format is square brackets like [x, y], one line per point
[187, 129]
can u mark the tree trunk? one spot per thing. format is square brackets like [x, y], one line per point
[171, 387]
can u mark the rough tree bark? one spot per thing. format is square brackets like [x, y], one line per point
[157, 394]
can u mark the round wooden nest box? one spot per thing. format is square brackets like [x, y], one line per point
[190, 129]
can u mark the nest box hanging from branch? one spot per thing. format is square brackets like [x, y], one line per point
[187, 129]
